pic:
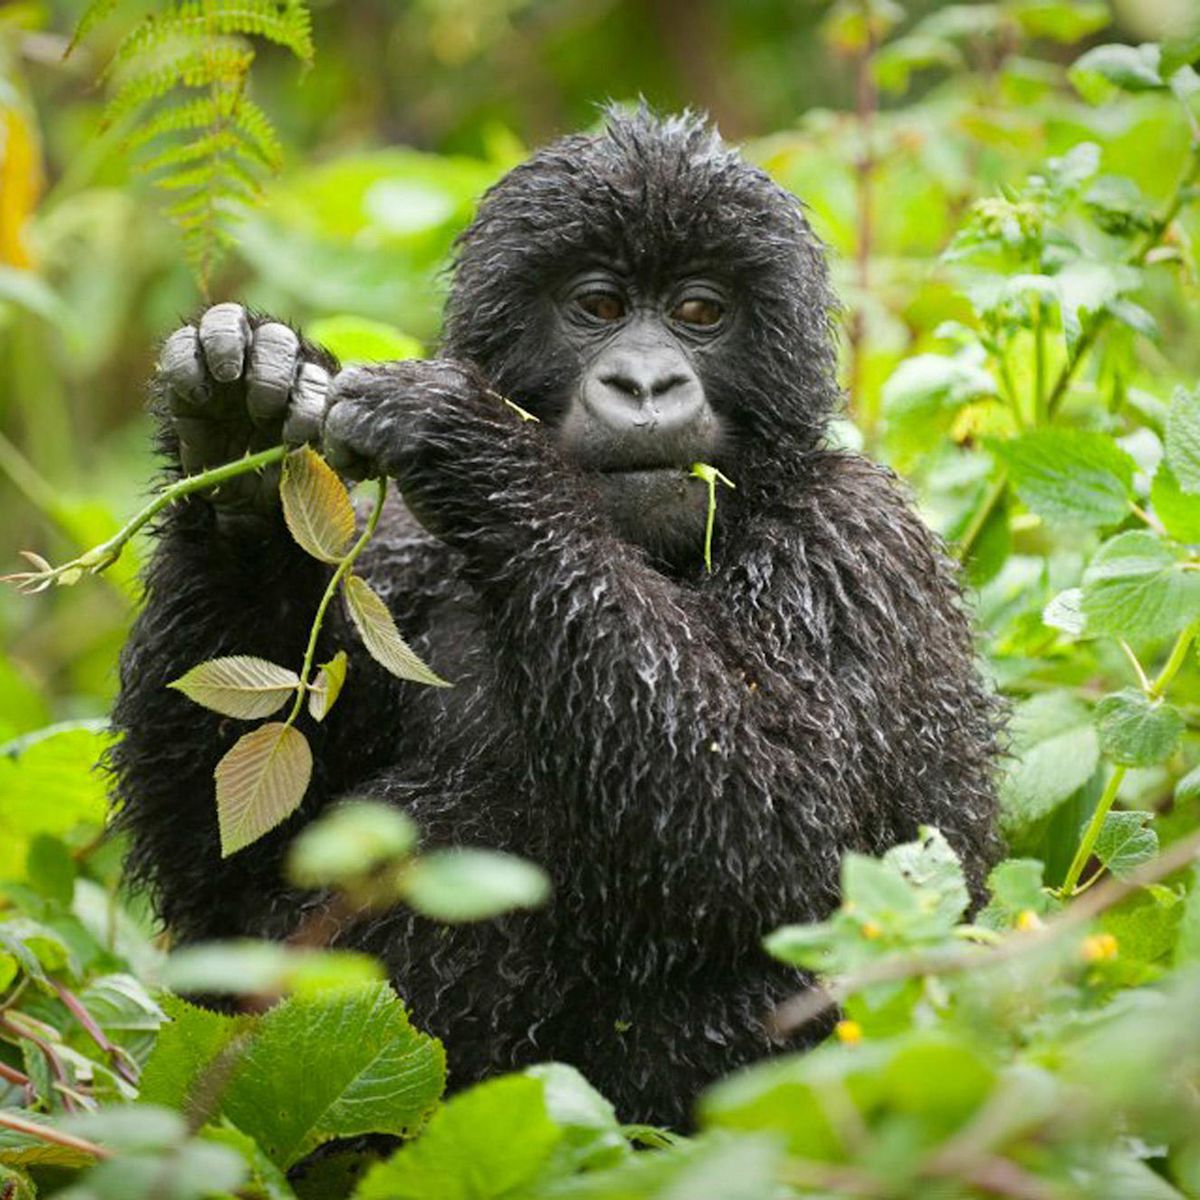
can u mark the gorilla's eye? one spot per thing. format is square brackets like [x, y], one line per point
[604, 306]
[698, 310]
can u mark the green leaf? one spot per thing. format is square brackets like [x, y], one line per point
[247, 967]
[588, 1121]
[1125, 842]
[1187, 947]
[931, 866]
[1136, 586]
[1135, 731]
[349, 842]
[1183, 439]
[471, 885]
[1105, 70]
[260, 782]
[932, 382]
[1180, 51]
[316, 505]
[1056, 750]
[381, 637]
[490, 1141]
[354, 339]
[1070, 475]
[1064, 612]
[1016, 886]
[1065, 21]
[894, 63]
[327, 686]
[1178, 510]
[239, 686]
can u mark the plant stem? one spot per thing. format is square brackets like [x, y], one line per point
[343, 569]
[10, 1120]
[1153, 692]
[970, 535]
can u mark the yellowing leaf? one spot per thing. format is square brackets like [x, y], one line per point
[260, 783]
[380, 636]
[316, 505]
[20, 183]
[327, 686]
[239, 686]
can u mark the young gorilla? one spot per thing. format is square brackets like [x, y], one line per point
[689, 755]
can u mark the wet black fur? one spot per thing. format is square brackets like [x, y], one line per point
[688, 755]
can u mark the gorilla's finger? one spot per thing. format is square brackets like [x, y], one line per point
[270, 370]
[341, 424]
[181, 370]
[306, 412]
[224, 336]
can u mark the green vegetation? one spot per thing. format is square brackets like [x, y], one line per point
[1010, 190]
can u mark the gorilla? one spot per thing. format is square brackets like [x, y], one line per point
[687, 753]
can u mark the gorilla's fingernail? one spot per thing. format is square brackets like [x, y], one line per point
[224, 332]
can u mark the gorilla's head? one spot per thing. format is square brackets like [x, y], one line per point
[659, 302]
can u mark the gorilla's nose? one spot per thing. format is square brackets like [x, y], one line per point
[652, 391]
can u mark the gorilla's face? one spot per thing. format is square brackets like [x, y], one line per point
[659, 302]
[637, 414]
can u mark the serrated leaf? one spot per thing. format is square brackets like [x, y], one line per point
[316, 505]
[1135, 731]
[1063, 612]
[1055, 748]
[328, 685]
[1070, 476]
[471, 885]
[260, 782]
[336, 1065]
[381, 637]
[1179, 511]
[1137, 586]
[1125, 842]
[239, 686]
[1183, 439]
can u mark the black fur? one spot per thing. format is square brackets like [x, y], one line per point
[688, 755]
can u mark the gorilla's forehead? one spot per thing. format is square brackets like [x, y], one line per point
[662, 196]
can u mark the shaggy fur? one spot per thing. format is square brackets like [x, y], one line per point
[688, 755]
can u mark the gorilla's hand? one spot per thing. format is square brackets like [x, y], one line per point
[235, 384]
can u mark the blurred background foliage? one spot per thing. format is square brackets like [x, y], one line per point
[888, 129]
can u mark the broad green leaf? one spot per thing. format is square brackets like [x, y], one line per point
[471, 885]
[1086, 287]
[247, 967]
[1104, 70]
[1055, 749]
[191, 1039]
[1016, 886]
[239, 686]
[349, 842]
[1070, 476]
[51, 869]
[1063, 612]
[381, 637]
[588, 1121]
[1183, 439]
[316, 505]
[1181, 51]
[1136, 586]
[267, 1181]
[1125, 842]
[1066, 21]
[334, 1066]
[894, 63]
[1135, 731]
[931, 866]
[490, 1141]
[1187, 948]
[930, 382]
[38, 949]
[327, 686]
[260, 782]
[354, 339]
[1179, 511]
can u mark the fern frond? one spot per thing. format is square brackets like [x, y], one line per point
[91, 16]
[286, 23]
[257, 132]
[186, 64]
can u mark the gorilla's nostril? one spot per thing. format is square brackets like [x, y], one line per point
[621, 382]
[669, 383]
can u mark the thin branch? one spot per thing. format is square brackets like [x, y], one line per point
[10, 1120]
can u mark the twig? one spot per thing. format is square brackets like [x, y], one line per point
[805, 1006]
[122, 1063]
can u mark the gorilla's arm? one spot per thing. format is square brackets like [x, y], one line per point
[698, 765]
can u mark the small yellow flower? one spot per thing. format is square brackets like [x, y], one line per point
[1099, 947]
[1028, 920]
[848, 1032]
[871, 931]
